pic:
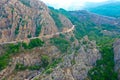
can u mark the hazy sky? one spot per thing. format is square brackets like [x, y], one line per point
[70, 4]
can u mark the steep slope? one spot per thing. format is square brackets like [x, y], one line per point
[61, 59]
[22, 19]
[116, 47]
[110, 9]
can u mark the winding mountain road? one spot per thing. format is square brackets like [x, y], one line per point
[46, 36]
[9, 69]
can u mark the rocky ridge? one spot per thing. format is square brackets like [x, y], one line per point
[116, 47]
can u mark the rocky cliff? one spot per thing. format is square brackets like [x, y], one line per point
[74, 64]
[116, 47]
[21, 19]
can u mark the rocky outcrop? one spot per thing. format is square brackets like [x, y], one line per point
[76, 65]
[22, 19]
[116, 47]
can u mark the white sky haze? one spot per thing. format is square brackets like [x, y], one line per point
[70, 4]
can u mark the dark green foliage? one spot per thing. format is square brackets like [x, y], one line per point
[18, 26]
[55, 15]
[62, 44]
[62, 36]
[54, 63]
[72, 39]
[24, 45]
[23, 22]
[45, 61]
[20, 67]
[14, 48]
[38, 29]
[5, 58]
[34, 67]
[35, 43]
[29, 36]
[17, 30]
[26, 2]
[10, 26]
[48, 71]
[38, 26]
[104, 69]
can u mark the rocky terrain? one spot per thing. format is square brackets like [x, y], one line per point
[74, 64]
[116, 47]
[21, 19]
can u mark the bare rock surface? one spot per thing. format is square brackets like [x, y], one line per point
[116, 47]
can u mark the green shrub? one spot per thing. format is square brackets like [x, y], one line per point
[5, 58]
[35, 43]
[17, 30]
[45, 61]
[29, 36]
[38, 30]
[61, 44]
[48, 71]
[20, 67]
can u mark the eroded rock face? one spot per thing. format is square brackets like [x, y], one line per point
[116, 47]
[21, 19]
[75, 66]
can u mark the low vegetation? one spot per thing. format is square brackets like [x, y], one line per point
[61, 44]
[13, 49]
[54, 14]
[46, 63]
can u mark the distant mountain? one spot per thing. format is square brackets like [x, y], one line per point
[110, 9]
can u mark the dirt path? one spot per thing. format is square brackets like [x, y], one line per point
[46, 36]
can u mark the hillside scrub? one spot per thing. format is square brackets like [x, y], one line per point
[13, 49]
[104, 69]
[61, 44]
